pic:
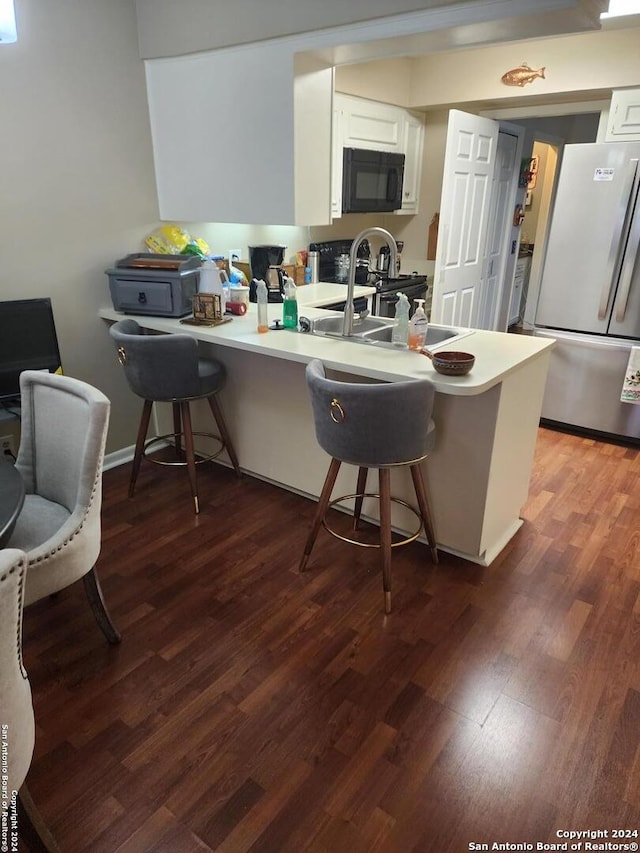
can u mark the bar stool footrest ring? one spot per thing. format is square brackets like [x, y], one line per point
[150, 442]
[411, 538]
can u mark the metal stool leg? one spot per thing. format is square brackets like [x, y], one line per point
[189, 451]
[425, 511]
[361, 488]
[177, 430]
[224, 433]
[323, 503]
[385, 534]
[142, 434]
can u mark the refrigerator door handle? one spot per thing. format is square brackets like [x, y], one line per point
[614, 249]
[630, 255]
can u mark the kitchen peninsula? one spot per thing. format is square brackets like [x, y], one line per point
[478, 474]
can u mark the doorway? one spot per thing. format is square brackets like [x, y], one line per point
[537, 203]
[480, 179]
[545, 139]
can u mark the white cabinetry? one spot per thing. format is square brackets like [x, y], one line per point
[370, 125]
[336, 161]
[413, 142]
[519, 291]
[360, 123]
[242, 135]
[624, 116]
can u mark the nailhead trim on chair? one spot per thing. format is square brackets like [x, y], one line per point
[21, 568]
[79, 527]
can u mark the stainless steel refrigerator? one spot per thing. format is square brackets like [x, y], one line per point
[589, 297]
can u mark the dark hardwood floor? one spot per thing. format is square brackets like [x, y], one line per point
[252, 708]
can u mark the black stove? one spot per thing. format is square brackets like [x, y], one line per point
[329, 250]
[383, 303]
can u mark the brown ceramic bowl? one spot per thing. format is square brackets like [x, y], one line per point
[453, 363]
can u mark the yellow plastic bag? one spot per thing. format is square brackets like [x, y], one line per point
[170, 239]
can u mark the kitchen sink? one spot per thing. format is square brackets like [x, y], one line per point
[435, 334]
[377, 331]
[361, 325]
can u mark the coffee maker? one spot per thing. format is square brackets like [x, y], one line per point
[266, 264]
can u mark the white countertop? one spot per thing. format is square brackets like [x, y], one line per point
[497, 353]
[327, 292]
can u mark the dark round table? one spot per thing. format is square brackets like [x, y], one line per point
[11, 499]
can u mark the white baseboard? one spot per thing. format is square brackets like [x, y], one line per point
[118, 457]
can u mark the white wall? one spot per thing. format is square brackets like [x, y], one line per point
[575, 64]
[78, 187]
[388, 80]
[170, 28]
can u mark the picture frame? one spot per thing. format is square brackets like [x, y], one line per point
[207, 306]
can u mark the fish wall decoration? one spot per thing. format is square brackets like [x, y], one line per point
[522, 75]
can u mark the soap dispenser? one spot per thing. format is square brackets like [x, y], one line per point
[290, 304]
[400, 333]
[418, 327]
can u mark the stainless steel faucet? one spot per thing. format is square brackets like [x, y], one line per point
[347, 322]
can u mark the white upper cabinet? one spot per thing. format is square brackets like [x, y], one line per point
[413, 143]
[624, 116]
[360, 123]
[242, 135]
[336, 161]
[370, 125]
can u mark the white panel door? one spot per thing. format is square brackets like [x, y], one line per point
[499, 231]
[464, 214]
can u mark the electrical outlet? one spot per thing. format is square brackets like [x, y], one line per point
[7, 447]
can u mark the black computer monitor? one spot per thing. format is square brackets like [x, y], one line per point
[28, 341]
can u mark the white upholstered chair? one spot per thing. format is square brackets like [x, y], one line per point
[63, 435]
[17, 728]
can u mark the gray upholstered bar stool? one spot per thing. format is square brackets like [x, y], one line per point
[167, 368]
[378, 426]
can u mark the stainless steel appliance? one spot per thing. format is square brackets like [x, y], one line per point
[590, 289]
[387, 288]
[371, 181]
[382, 264]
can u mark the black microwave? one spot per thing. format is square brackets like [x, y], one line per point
[371, 181]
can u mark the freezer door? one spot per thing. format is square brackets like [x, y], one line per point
[584, 250]
[625, 317]
[584, 384]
